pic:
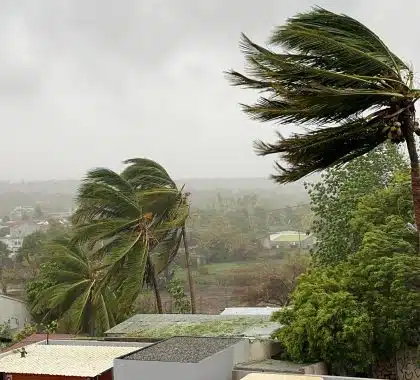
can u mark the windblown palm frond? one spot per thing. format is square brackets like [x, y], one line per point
[332, 72]
[144, 173]
[77, 295]
[133, 221]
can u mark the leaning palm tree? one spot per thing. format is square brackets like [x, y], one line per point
[146, 174]
[335, 77]
[124, 223]
[77, 292]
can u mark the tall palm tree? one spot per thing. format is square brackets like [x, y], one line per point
[77, 292]
[128, 221]
[146, 174]
[335, 77]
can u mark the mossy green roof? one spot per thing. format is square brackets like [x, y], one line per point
[155, 326]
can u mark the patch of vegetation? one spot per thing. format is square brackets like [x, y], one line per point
[229, 327]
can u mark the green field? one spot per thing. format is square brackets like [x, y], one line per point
[212, 274]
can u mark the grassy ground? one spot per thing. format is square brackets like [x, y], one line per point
[217, 273]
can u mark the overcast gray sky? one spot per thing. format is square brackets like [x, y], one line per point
[87, 83]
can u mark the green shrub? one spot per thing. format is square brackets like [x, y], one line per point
[357, 312]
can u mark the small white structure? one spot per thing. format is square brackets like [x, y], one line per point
[13, 311]
[13, 244]
[250, 310]
[183, 358]
[18, 231]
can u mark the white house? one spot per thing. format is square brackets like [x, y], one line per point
[22, 229]
[18, 231]
[13, 243]
[13, 311]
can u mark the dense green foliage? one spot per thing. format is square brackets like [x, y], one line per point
[231, 228]
[335, 197]
[368, 306]
[127, 229]
[73, 289]
[180, 301]
[137, 219]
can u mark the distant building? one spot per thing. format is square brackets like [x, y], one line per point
[20, 212]
[250, 310]
[21, 229]
[18, 231]
[13, 311]
[293, 239]
[13, 244]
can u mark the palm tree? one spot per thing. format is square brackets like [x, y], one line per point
[335, 77]
[146, 174]
[133, 224]
[77, 292]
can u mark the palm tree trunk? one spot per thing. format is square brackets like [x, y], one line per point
[189, 274]
[408, 125]
[90, 316]
[155, 285]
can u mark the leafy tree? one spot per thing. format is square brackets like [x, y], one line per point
[77, 293]
[34, 328]
[335, 197]
[375, 208]
[4, 252]
[5, 331]
[366, 308]
[336, 76]
[7, 272]
[176, 291]
[230, 228]
[31, 251]
[38, 213]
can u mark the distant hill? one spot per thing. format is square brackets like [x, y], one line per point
[56, 196]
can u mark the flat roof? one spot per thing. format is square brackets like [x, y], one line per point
[250, 310]
[277, 376]
[160, 326]
[182, 349]
[62, 360]
[35, 338]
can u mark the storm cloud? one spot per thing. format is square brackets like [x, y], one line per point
[87, 83]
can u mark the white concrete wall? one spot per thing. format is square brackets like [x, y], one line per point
[135, 370]
[14, 311]
[220, 365]
[262, 349]
[216, 367]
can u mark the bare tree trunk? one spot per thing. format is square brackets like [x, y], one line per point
[155, 285]
[408, 129]
[189, 274]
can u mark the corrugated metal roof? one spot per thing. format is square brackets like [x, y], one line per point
[34, 338]
[81, 361]
[250, 310]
